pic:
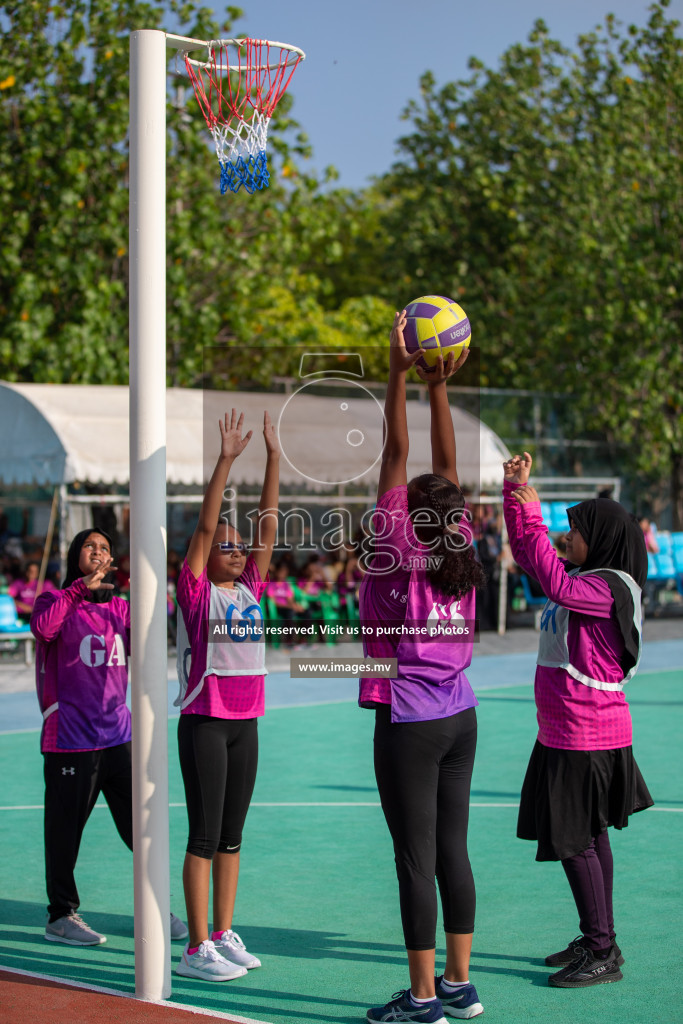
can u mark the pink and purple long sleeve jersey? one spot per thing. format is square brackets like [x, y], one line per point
[572, 715]
[395, 591]
[82, 669]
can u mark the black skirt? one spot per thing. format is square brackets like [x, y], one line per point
[571, 796]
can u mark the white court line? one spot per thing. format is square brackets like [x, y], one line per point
[311, 803]
[126, 995]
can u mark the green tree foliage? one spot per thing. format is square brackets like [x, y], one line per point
[544, 194]
[63, 193]
[547, 194]
[241, 268]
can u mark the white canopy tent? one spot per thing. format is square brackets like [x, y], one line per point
[56, 434]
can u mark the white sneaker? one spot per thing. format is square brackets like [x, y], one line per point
[207, 963]
[230, 946]
[178, 928]
[73, 931]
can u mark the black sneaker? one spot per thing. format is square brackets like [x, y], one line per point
[574, 950]
[587, 970]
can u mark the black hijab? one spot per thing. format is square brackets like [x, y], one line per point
[73, 572]
[615, 541]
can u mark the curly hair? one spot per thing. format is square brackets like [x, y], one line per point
[436, 507]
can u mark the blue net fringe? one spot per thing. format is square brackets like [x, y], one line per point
[252, 173]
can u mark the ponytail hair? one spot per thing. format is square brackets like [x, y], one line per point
[437, 510]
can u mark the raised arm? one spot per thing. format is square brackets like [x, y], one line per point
[442, 433]
[395, 451]
[232, 445]
[516, 474]
[52, 609]
[266, 524]
[590, 595]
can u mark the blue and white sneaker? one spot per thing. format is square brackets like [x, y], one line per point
[401, 1008]
[463, 1003]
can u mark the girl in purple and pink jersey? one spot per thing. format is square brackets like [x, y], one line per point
[221, 668]
[83, 643]
[24, 591]
[582, 776]
[420, 584]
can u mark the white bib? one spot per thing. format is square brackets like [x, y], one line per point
[236, 640]
[552, 646]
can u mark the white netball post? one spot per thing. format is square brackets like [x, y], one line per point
[266, 76]
[148, 513]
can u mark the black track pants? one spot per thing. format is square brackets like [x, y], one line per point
[73, 783]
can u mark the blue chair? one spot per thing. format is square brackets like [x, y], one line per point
[536, 601]
[665, 567]
[676, 542]
[677, 558]
[559, 521]
[546, 512]
[652, 570]
[670, 569]
[664, 542]
[12, 630]
[9, 620]
[531, 599]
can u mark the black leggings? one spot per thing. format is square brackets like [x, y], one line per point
[591, 877]
[218, 759]
[423, 772]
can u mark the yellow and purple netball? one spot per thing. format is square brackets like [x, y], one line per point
[436, 325]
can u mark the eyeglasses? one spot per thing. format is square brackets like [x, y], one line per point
[228, 545]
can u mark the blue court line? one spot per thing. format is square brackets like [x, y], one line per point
[19, 711]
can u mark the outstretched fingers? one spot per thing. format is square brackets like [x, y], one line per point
[231, 426]
[462, 359]
[442, 370]
[400, 358]
[93, 581]
[270, 434]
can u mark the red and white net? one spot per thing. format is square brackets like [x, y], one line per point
[238, 87]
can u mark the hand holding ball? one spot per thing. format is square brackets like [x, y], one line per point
[436, 326]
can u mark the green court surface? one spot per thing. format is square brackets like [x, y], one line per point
[318, 896]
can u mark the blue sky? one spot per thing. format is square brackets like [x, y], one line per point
[364, 59]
